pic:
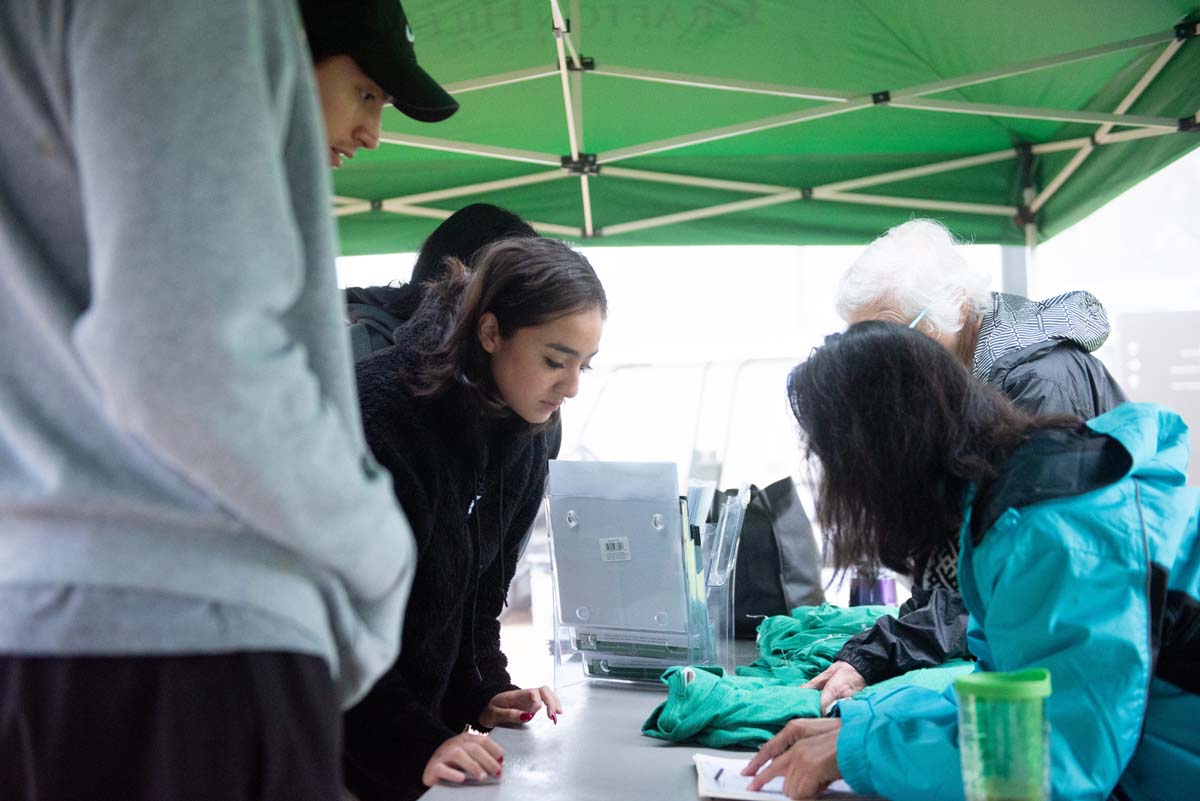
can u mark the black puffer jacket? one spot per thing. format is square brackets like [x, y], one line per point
[470, 488]
[1037, 353]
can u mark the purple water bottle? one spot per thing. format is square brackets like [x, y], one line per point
[872, 589]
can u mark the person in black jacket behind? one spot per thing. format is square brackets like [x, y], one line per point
[459, 410]
[376, 312]
[1037, 354]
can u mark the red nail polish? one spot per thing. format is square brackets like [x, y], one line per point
[526, 716]
[501, 760]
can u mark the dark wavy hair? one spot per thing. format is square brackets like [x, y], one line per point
[525, 282]
[899, 429]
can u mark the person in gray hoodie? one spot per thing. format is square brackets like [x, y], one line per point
[1035, 353]
[200, 561]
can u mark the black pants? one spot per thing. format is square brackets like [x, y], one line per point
[227, 727]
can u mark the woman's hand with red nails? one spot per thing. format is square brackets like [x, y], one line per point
[514, 707]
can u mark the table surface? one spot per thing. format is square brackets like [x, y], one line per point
[596, 752]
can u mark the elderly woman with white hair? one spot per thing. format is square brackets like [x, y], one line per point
[1036, 353]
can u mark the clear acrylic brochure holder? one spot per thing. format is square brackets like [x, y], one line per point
[634, 592]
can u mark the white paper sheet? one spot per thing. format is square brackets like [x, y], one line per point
[732, 784]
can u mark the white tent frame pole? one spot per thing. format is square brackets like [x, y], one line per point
[834, 192]
[500, 79]
[1030, 248]
[577, 75]
[585, 190]
[410, 210]
[471, 149]
[1032, 66]
[692, 180]
[1129, 136]
[1066, 172]
[1061, 178]
[1031, 113]
[1014, 270]
[555, 228]
[918, 172]
[700, 214]
[560, 34]
[915, 203]
[346, 209]
[566, 34]
[481, 188]
[1074, 144]
[728, 131]
[794, 195]
[725, 84]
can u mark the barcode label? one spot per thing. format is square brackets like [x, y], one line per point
[615, 549]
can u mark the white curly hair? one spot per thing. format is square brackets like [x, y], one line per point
[913, 268]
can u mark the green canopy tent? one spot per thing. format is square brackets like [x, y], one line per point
[705, 122]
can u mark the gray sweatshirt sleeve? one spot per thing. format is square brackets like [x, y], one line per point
[215, 333]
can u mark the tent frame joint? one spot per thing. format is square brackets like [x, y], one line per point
[881, 98]
[806, 193]
[1186, 30]
[584, 165]
[1189, 125]
[585, 64]
[1026, 216]
[377, 204]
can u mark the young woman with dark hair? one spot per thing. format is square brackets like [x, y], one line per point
[459, 411]
[1078, 553]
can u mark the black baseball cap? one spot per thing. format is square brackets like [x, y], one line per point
[376, 34]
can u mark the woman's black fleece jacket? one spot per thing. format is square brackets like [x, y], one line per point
[442, 454]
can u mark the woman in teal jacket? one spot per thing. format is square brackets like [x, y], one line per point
[1079, 554]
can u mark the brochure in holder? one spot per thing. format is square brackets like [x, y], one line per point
[634, 590]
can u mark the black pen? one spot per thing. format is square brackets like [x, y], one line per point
[717, 778]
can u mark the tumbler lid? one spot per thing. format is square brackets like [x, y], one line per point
[1017, 686]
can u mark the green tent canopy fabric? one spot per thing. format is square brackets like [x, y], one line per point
[780, 121]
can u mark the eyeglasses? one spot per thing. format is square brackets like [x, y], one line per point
[920, 317]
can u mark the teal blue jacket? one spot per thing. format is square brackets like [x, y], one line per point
[1081, 558]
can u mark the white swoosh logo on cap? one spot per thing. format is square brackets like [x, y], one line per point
[408, 31]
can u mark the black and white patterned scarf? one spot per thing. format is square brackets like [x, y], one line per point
[940, 569]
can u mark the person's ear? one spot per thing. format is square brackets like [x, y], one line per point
[489, 332]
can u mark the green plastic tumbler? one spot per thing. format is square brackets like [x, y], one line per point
[1003, 735]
